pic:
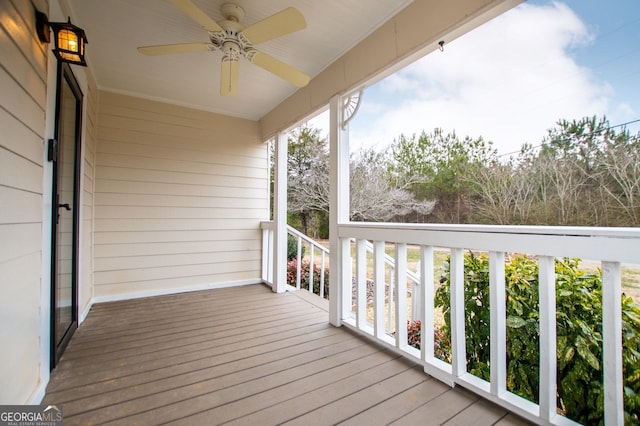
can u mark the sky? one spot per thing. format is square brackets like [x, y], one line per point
[513, 78]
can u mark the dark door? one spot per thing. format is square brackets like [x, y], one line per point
[64, 151]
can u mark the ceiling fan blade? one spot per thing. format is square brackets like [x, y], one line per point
[279, 68]
[194, 12]
[170, 49]
[284, 22]
[229, 72]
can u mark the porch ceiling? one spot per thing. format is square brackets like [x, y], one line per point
[116, 27]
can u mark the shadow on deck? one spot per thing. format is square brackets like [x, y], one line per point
[245, 355]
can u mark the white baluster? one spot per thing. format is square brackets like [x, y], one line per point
[612, 343]
[547, 295]
[458, 343]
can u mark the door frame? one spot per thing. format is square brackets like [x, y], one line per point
[65, 75]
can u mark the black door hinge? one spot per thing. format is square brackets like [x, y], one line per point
[52, 153]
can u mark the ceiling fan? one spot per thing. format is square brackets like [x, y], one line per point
[234, 41]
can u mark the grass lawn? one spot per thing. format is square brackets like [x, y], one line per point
[630, 274]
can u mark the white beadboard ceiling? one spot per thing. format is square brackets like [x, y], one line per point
[115, 28]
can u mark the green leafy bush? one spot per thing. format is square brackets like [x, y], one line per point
[292, 271]
[292, 248]
[579, 334]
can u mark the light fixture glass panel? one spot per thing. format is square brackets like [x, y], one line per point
[68, 40]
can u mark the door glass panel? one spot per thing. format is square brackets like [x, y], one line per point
[64, 309]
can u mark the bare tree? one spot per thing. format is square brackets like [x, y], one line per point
[374, 197]
[620, 178]
[502, 194]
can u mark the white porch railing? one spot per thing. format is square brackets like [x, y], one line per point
[413, 279]
[610, 247]
[314, 250]
[303, 242]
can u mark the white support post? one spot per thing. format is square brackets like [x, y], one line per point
[612, 343]
[458, 342]
[426, 296]
[547, 296]
[339, 257]
[498, 324]
[379, 285]
[280, 215]
[361, 283]
[401, 295]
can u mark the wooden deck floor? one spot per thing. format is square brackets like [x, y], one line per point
[246, 356]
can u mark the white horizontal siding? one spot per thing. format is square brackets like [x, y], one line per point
[215, 236]
[171, 248]
[16, 137]
[20, 173]
[179, 196]
[125, 188]
[219, 211]
[22, 120]
[171, 177]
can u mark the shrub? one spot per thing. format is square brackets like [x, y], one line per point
[292, 270]
[442, 344]
[413, 333]
[579, 334]
[292, 248]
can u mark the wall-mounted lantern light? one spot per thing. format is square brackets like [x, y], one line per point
[68, 39]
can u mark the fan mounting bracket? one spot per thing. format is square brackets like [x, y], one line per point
[232, 12]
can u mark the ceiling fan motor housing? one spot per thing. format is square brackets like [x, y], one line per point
[231, 40]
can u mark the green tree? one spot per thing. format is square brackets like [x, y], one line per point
[436, 166]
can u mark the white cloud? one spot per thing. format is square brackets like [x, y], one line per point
[508, 81]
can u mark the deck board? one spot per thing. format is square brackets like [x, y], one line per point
[244, 356]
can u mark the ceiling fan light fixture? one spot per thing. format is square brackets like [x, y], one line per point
[235, 40]
[232, 50]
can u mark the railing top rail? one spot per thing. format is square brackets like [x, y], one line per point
[584, 231]
[309, 240]
[267, 224]
[271, 225]
[607, 244]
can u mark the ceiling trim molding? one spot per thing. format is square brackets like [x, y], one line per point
[173, 102]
